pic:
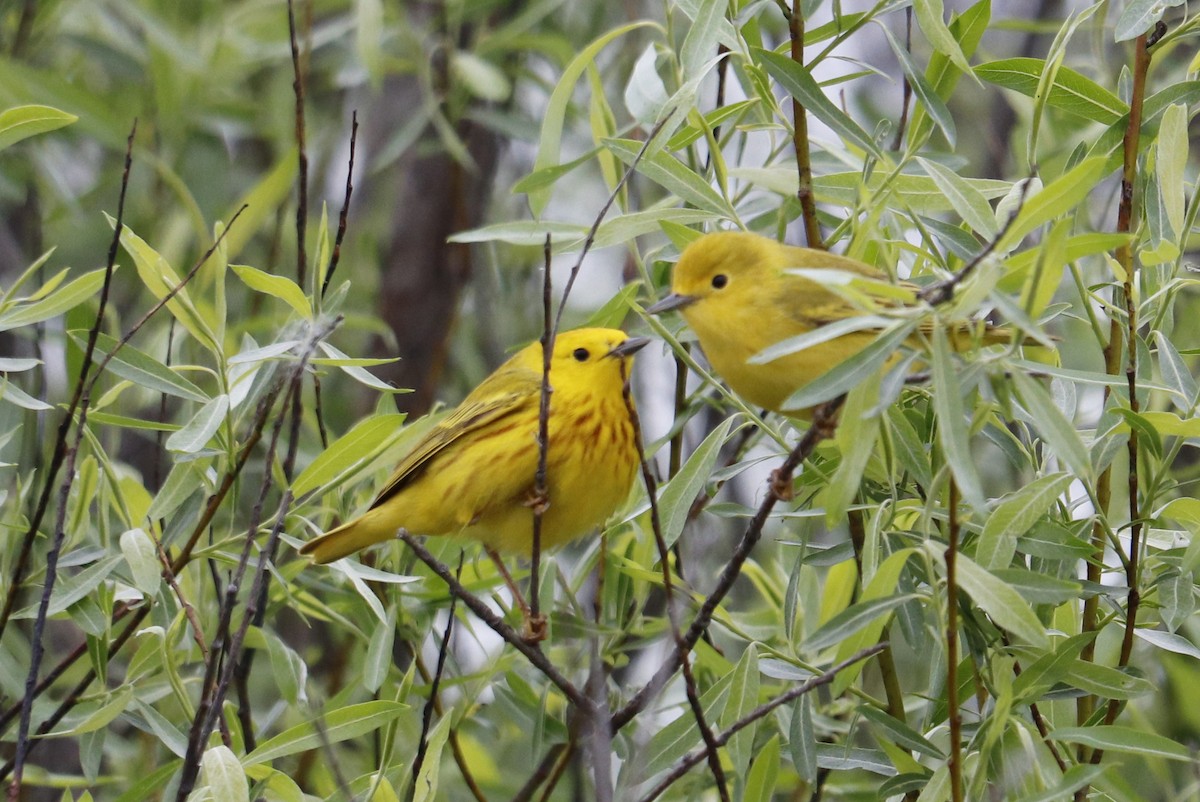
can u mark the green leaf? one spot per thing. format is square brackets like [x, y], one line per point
[142, 369]
[952, 421]
[1072, 91]
[142, 557]
[1058, 432]
[354, 449]
[899, 733]
[675, 500]
[743, 697]
[379, 653]
[852, 619]
[1056, 199]
[672, 175]
[764, 772]
[261, 203]
[933, 104]
[69, 297]
[15, 395]
[102, 713]
[287, 667]
[1014, 516]
[338, 725]
[969, 202]
[21, 122]
[201, 428]
[526, 232]
[1037, 588]
[856, 436]
[280, 287]
[1115, 738]
[1000, 601]
[799, 83]
[700, 43]
[802, 740]
[853, 370]
[426, 785]
[1169, 641]
[550, 140]
[1139, 16]
[929, 19]
[1170, 168]
[70, 589]
[1107, 682]
[224, 775]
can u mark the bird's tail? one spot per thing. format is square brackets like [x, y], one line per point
[365, 530]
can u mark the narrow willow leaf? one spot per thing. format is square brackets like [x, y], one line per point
[856, 437]
[290, 672]
[224, 775]
[852, 371]
[839, 757]
[821, 334]
[1169, 641]
[379, 653]
[930, 20]
[102, 713]
[934, 106]
[338, 725]
[280, 287]
[1072, 91]
[201, 428]
[1175, 373]
[1115, 738]
[355, 448]
[1170, 168]
[701, 40]
[900, 733]
[764, 773]
[1054, 427]
[15, 395]
[799, 83]
[11, 364]
[143, 369]
[1139, 16]
[672, 175]
[261, 203]
[802, 740]
[743, 697]
[21, 122]
[70, 589]
[527, 232]
[142, 557]
[968, 201]
[675, 500]
[1056, 199]
[1014, 516]
[426, 784]
[852, 619]
[55, 304]
[645, 93]
[952, 422]
[1000, 601]
[550, 139]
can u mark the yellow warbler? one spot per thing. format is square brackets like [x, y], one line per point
[473, 473]
[734, 289]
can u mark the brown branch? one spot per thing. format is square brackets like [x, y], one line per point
[345, 213]
[435, 681]
[952, 532]
[804, 191]
[906, 96]
[301, 149]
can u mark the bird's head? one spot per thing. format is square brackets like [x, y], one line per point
[724, 263]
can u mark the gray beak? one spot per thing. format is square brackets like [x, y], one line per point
[629, 347]
[672, 301]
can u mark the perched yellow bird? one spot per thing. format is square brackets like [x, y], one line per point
[473, 473]
[734, 290]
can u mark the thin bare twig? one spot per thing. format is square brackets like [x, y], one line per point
[955, 761]
[541, 493]
[906, 96]
[431, 702]
[301, 150]
[345, 213]
[804, 191]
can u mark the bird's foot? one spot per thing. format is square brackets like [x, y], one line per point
[538, 502]
[534, 629]
[781, 485]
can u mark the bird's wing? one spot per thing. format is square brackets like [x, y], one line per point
[820, 305]
[500, 396]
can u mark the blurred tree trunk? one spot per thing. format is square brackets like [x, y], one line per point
[424, 275]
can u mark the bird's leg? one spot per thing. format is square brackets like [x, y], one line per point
[533, 630]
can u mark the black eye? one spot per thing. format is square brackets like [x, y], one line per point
[719, 281]
[581, 354]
